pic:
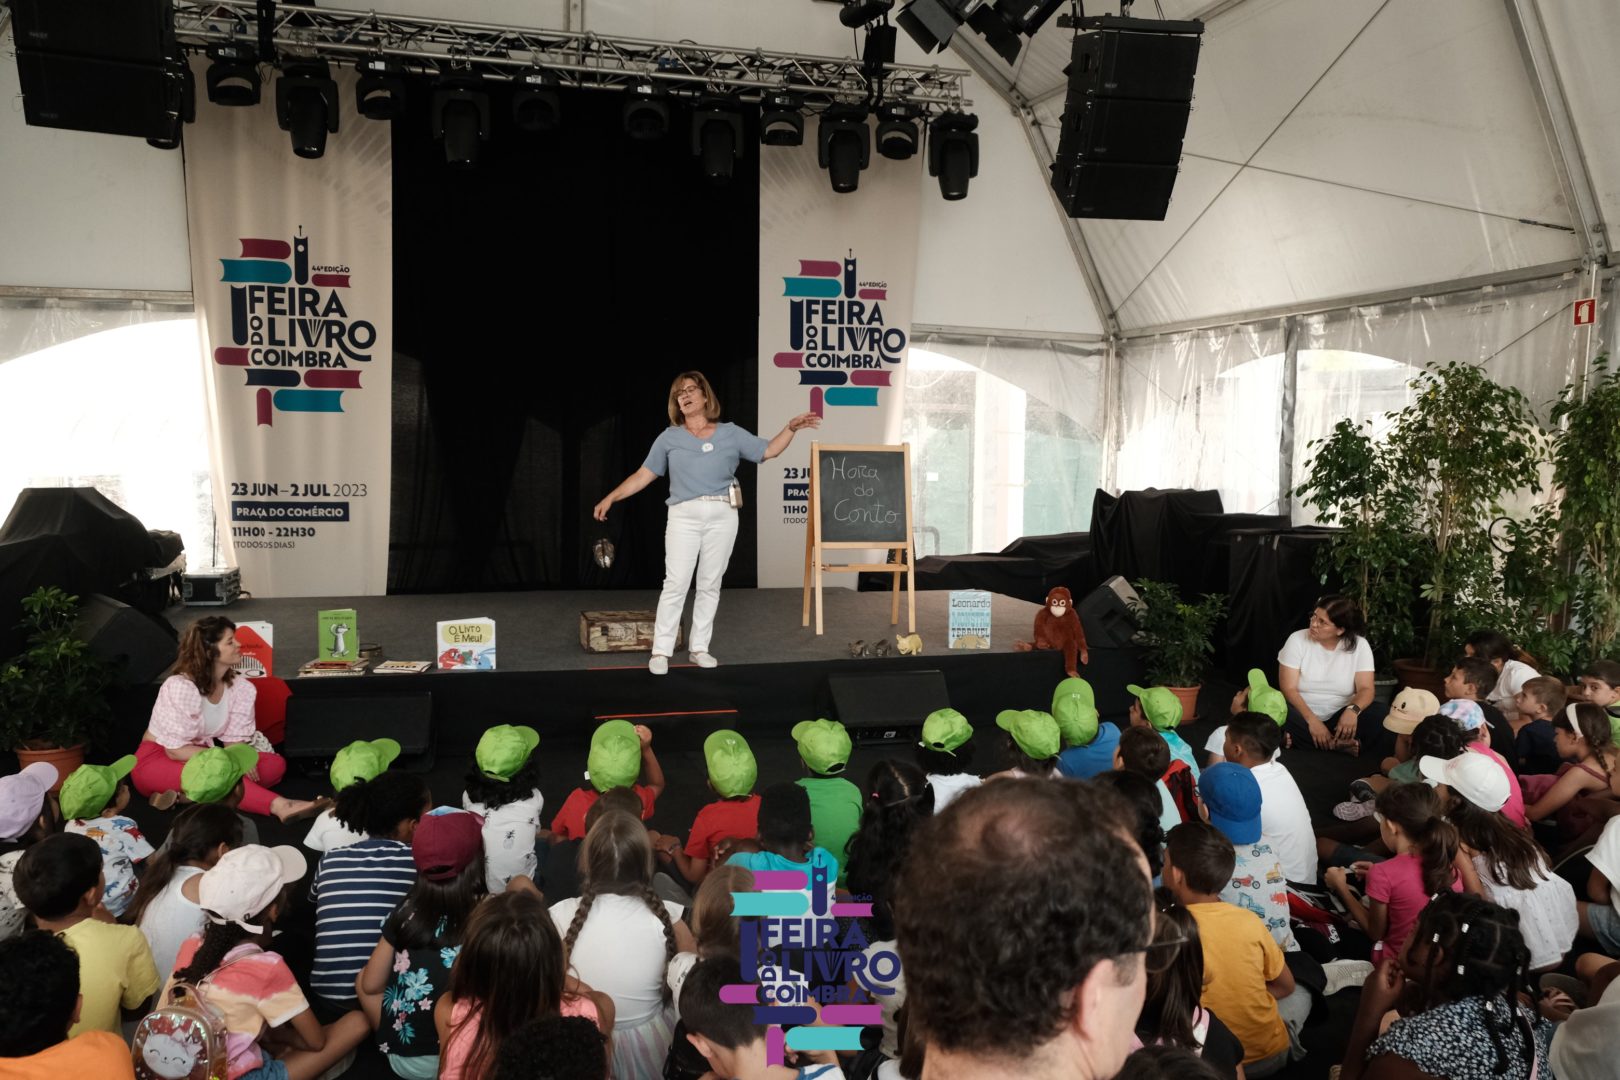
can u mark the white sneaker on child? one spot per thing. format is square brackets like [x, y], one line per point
[1353, 810]
[658, 665]
[1345, 973]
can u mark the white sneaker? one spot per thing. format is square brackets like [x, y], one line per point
[1345, 973]
[703, 659]
[658, 665]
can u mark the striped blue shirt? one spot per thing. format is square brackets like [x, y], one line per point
[355, 889]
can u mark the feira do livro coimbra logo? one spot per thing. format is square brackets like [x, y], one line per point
[801, 949]
[839, 342]
[291, 329]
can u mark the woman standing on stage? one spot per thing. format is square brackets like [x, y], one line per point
[700, 456]
[202, 704]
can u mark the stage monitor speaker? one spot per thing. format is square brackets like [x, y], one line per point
[876, 707]
[1107, 614]
[143, 646]
[137, 30]
[318, 726]
[108, 96]
[1124, 118]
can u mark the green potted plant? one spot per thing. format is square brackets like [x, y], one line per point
[1462, 446]
[1352, 483]
[53, 695]
[1177, 639]
[1586, 472]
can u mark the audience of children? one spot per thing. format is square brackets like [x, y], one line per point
[945, 753]
[503, 788]
[60, 881]
[432, 938]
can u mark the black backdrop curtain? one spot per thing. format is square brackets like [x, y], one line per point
[544, 300]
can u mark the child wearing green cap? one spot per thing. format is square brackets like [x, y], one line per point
[621, 755]
[1157, 708]
[945, 755]
[835, 803]
[1033, 742]
[361, 760]
[93, 798]
[1089, 744]
[1259, 696]
[733, 816]
[503, 787]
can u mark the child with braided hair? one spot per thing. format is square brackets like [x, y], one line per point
[1461, 975]
[619, 937]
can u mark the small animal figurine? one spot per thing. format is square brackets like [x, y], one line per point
[1057, 626]
[880, 647]
[857, 649]
[909, 644]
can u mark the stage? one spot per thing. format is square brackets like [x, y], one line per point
[773, 671]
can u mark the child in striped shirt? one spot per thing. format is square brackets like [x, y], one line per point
[357, 887]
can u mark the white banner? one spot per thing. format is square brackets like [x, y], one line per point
[292, 271]
[836, 278]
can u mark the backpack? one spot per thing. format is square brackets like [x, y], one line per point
[182, 1039]
[1183, 789]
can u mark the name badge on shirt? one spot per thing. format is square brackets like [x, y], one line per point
[708, 446]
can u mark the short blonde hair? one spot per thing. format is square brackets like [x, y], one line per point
[710, 412]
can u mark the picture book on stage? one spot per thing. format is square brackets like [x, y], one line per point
[467, 644]
[338, 634]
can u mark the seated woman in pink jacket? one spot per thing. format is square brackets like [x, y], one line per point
[204, 703]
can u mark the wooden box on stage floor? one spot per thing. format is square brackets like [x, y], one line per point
[618, 631]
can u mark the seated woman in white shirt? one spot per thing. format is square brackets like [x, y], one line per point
[1326, 674]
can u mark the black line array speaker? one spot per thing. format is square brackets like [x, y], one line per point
[318, 726]
[142, 646]
[108, 66]
[1124, 118]
[1107, 614]
[879, 705]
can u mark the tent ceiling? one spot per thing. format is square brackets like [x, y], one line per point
[1349, 148]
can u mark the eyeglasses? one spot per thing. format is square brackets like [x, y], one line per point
[1160, 954]
[689, 391]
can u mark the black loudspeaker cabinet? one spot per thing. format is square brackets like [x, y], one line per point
[1106, 615]
[136, 30]
[877, 706]
[107, 96]
[142, 646]
[319, 725]
[1124, 119]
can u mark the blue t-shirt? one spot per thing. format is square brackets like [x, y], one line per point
[1537, 750]
[1180, 749]
[356, 888]
[1096, 757]
[702, 466]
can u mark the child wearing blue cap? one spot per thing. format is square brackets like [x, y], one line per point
[1231, 802]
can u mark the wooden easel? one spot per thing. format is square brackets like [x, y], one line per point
[815, 547]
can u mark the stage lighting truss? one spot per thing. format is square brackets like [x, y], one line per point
[441, 47]
[307, 105]
[379, 93]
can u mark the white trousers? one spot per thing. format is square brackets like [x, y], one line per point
[699, 536]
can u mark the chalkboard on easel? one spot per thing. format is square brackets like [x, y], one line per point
[861, 496]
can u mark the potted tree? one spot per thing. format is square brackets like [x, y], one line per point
[1461, 446]
[1353, 483]
[53, 695]
[1177, 639]
[1585, 450]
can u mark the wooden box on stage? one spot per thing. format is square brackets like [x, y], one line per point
[618, 631]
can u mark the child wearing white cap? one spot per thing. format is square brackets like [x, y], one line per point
[253, 988]
[27, 815]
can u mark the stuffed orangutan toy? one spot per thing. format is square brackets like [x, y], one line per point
[1057, 626]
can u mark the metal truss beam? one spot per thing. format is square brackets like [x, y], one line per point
[577, 58]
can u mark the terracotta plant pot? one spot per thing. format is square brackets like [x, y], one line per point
[65, 758]
[1188, 696]
[1416, 676]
